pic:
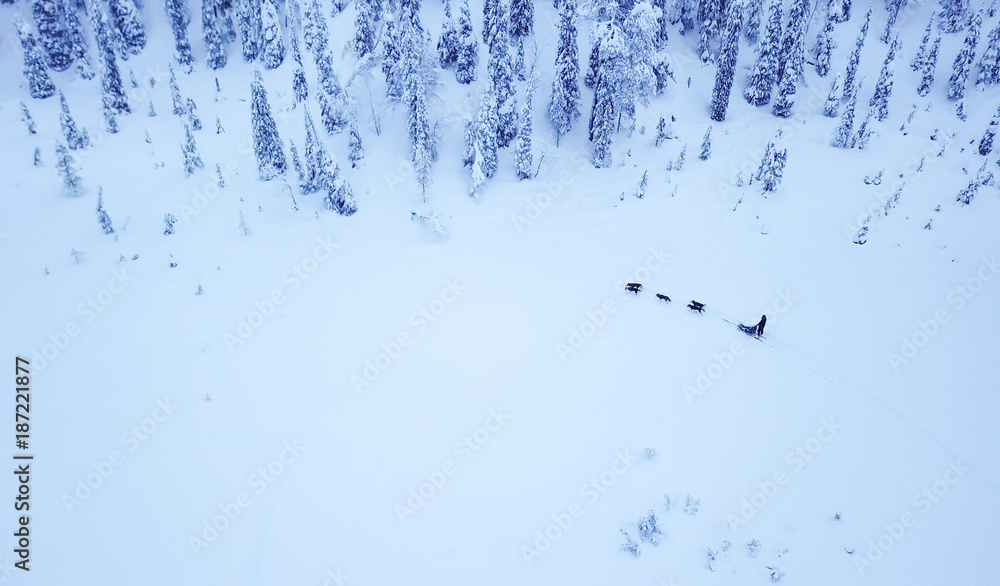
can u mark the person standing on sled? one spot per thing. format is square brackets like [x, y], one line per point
[760, 325]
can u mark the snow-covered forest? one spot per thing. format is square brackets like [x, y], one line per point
[440, 291]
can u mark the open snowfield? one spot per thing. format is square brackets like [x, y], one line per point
[359, 400]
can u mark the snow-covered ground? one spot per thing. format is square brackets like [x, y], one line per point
[361, 400]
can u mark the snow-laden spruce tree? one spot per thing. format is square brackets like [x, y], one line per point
[177, 13]
[340, 198]
[989, 63]
[66, 167]
[753, 11]
[125, 17]
[391, 56]
[986, 143]
[489, 15]
[610, 86]
[929, 65]
[314, 31]
[192, 113]
[112, 90]
[824, 42]
[564, 106]
[772, 167]
[485, 143]
[893, 7]
[319, 170]
[75, 139]
[522, 17]
[249, 18]
[272, 46]
[334, 108]
[501, 72]
[364, 27]
[832, 105]
[883, 89]
[842, 11]
[842, 137]
[764, 74]
[917, 63]
[29, 122]
[102, 215]
[963, 62]
[79, 49]
[175, 95]
[447, 46]
[299, 85]
[40, 85]
[415, 74]
[794, 35]
[48, 20]
[953, 15]
[855, 59]
[706, 145]
[522, 157]
[357, 150]
[728, 54]
[212, 32]
[192, 159]
[468, 47]
[267, 144]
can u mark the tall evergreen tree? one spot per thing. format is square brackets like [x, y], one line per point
[989, 63]
[192, 160]
[953, 15]
[125, 16]
[177, 12]
[639, 83]
[249, 14]
[213, 35]
[272, 47]
[752, 16]
[113, 92]
[986, 143]
[414, 76]
[75, 139]
[485, 143]
[833, 99]
[706, 145]
[963, 62]
[930, 63]
[29, 122]
[66, 167]
[824, 43]
[391, 57]
[266, 142]
[314, 30]
[490, 8]
[843, 11]
[765, 69]
[468, 47]
[357, 150]
[880, 99]
[76, 39]
[447, 46]
[727, 63]
[893, 7]
[793, 36]
[102, 215]
[522, 17]
[522, 158]
[844, 132]
[299, 85]
[564, 106]
[920, 58]
[39, 83]
[855, 59]
[51, 33]
[175, 95]
[501, 71]
[610, 88]
[364, 27]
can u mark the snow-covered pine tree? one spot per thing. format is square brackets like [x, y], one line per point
[364, 27]
[354, 143]
[989, 63]
[963, 62]
[603, 118]
[855, 59]
[485, 143]
[447, 46]
[764, 74]
[706, 145]
[38, 157]
[883, 89]
[40, 85]
[168, 224]
[317, 163]
[865, 132]
[917, 63]
[501, 71]
[661, 131]
[522, 157]
[51, 33]
[468, 47]
[637, 79]
[986, 143]
[489, 14]
[249, 18]
[74, 138]
[340, 198]
[192, 159]
[794, 35]
[266, 142]
[314, 30]
[112, 90]
[953, 15]
[177, 12]
[175, 94]
[334, 109]
[476, 163]
[66, 167]
[522, 17]
[929, 64]
[833, 99]
[824, 42]
[125, 16]
[661, 32]
[842, 11]
[102, 215]
[728, 54]
[564, 106]
[753, 11]
[296, 161]
[966, 196]
[76, 39]
[893, 7]
[414, 75]
[469, 143]
[772, 167]
[299, 86]
[192, 112]
[272, 47]
[786, 93]
[29, 122]
[710, 17]
[845, 130]
[391, 56]
[213, 35]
